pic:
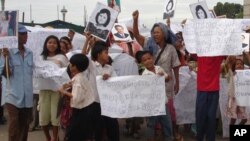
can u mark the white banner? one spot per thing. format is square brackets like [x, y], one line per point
[184, 101]
[213, 37]
[37, 36]
[132, 96]
[48, 75]
[242, 87]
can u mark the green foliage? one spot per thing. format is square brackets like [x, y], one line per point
[232, 10]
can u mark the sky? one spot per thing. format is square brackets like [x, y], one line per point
[151, 11]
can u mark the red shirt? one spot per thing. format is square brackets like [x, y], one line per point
[208, 75]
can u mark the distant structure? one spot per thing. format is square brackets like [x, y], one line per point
[64, 11]
[3, 4]
[246, 13]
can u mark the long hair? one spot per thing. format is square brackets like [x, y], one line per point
[169, 37]
[197, 8]
[103, 11]
[45, 51]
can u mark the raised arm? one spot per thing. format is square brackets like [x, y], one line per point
[140, 39]
[85, 48]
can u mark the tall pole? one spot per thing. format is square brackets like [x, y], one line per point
[3, 4]
[30, 13]
[57, 12]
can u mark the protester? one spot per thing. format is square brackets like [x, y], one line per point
[234, 111]
[48, 97]
[17, 89]
[68, 42]
[146, 58]
[82, 101]
[160, 44]
[100, 57]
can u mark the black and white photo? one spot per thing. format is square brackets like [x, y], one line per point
[101, 21]
[169, 8]
[200, 10]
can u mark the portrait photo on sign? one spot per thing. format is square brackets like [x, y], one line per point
[245, 41]
[8, 23]
[200, 10]
[169, 8]
[120, 32]
[101, 21]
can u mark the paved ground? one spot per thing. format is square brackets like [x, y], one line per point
[38, 134]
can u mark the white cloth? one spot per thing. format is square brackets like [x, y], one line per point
[91, 76]
[106, 69]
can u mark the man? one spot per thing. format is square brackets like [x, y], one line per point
[17, 89]
[120, 32]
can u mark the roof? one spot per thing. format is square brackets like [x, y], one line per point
[59, 24]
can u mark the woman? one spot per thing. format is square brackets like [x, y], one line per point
[200, 12]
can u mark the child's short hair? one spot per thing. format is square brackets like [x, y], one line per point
[98, 47]
[139, 55]
[80, 61]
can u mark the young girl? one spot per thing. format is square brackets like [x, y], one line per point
[99, 54]
[233, 110]
[48, 97]
[82, 101]
[146, 59]
[64, 47]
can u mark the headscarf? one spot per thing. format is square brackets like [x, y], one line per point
[169, 36]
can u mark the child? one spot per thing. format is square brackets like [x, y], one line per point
[234, 111]
[82, 101]
[49, 98]
[64, 47]
[146, 59]
[99, 54]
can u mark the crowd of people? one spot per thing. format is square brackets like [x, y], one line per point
[79, 113]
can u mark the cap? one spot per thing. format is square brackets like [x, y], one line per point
[22, 28]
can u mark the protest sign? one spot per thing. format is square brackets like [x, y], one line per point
[101, 21]
[213, 37]
[200, 10]
[169, 8]
[245, 41]
[47, 75]
[132, 96]
[8, 29]
[242, 87]
[120, 32]
[184, 101]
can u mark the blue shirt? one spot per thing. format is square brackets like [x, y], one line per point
[19, 90]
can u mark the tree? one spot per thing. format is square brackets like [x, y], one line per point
[232, 10]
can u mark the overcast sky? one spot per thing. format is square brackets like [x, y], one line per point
[150, 10]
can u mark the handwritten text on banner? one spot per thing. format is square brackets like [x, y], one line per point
[242, 87]
[213, 37]
[132, 96]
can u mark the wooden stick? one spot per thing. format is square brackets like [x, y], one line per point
[7, 75]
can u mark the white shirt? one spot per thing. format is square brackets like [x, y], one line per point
[106, 69]
[60, 60]
[91, 76]
[158, 70]
[82, 92]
